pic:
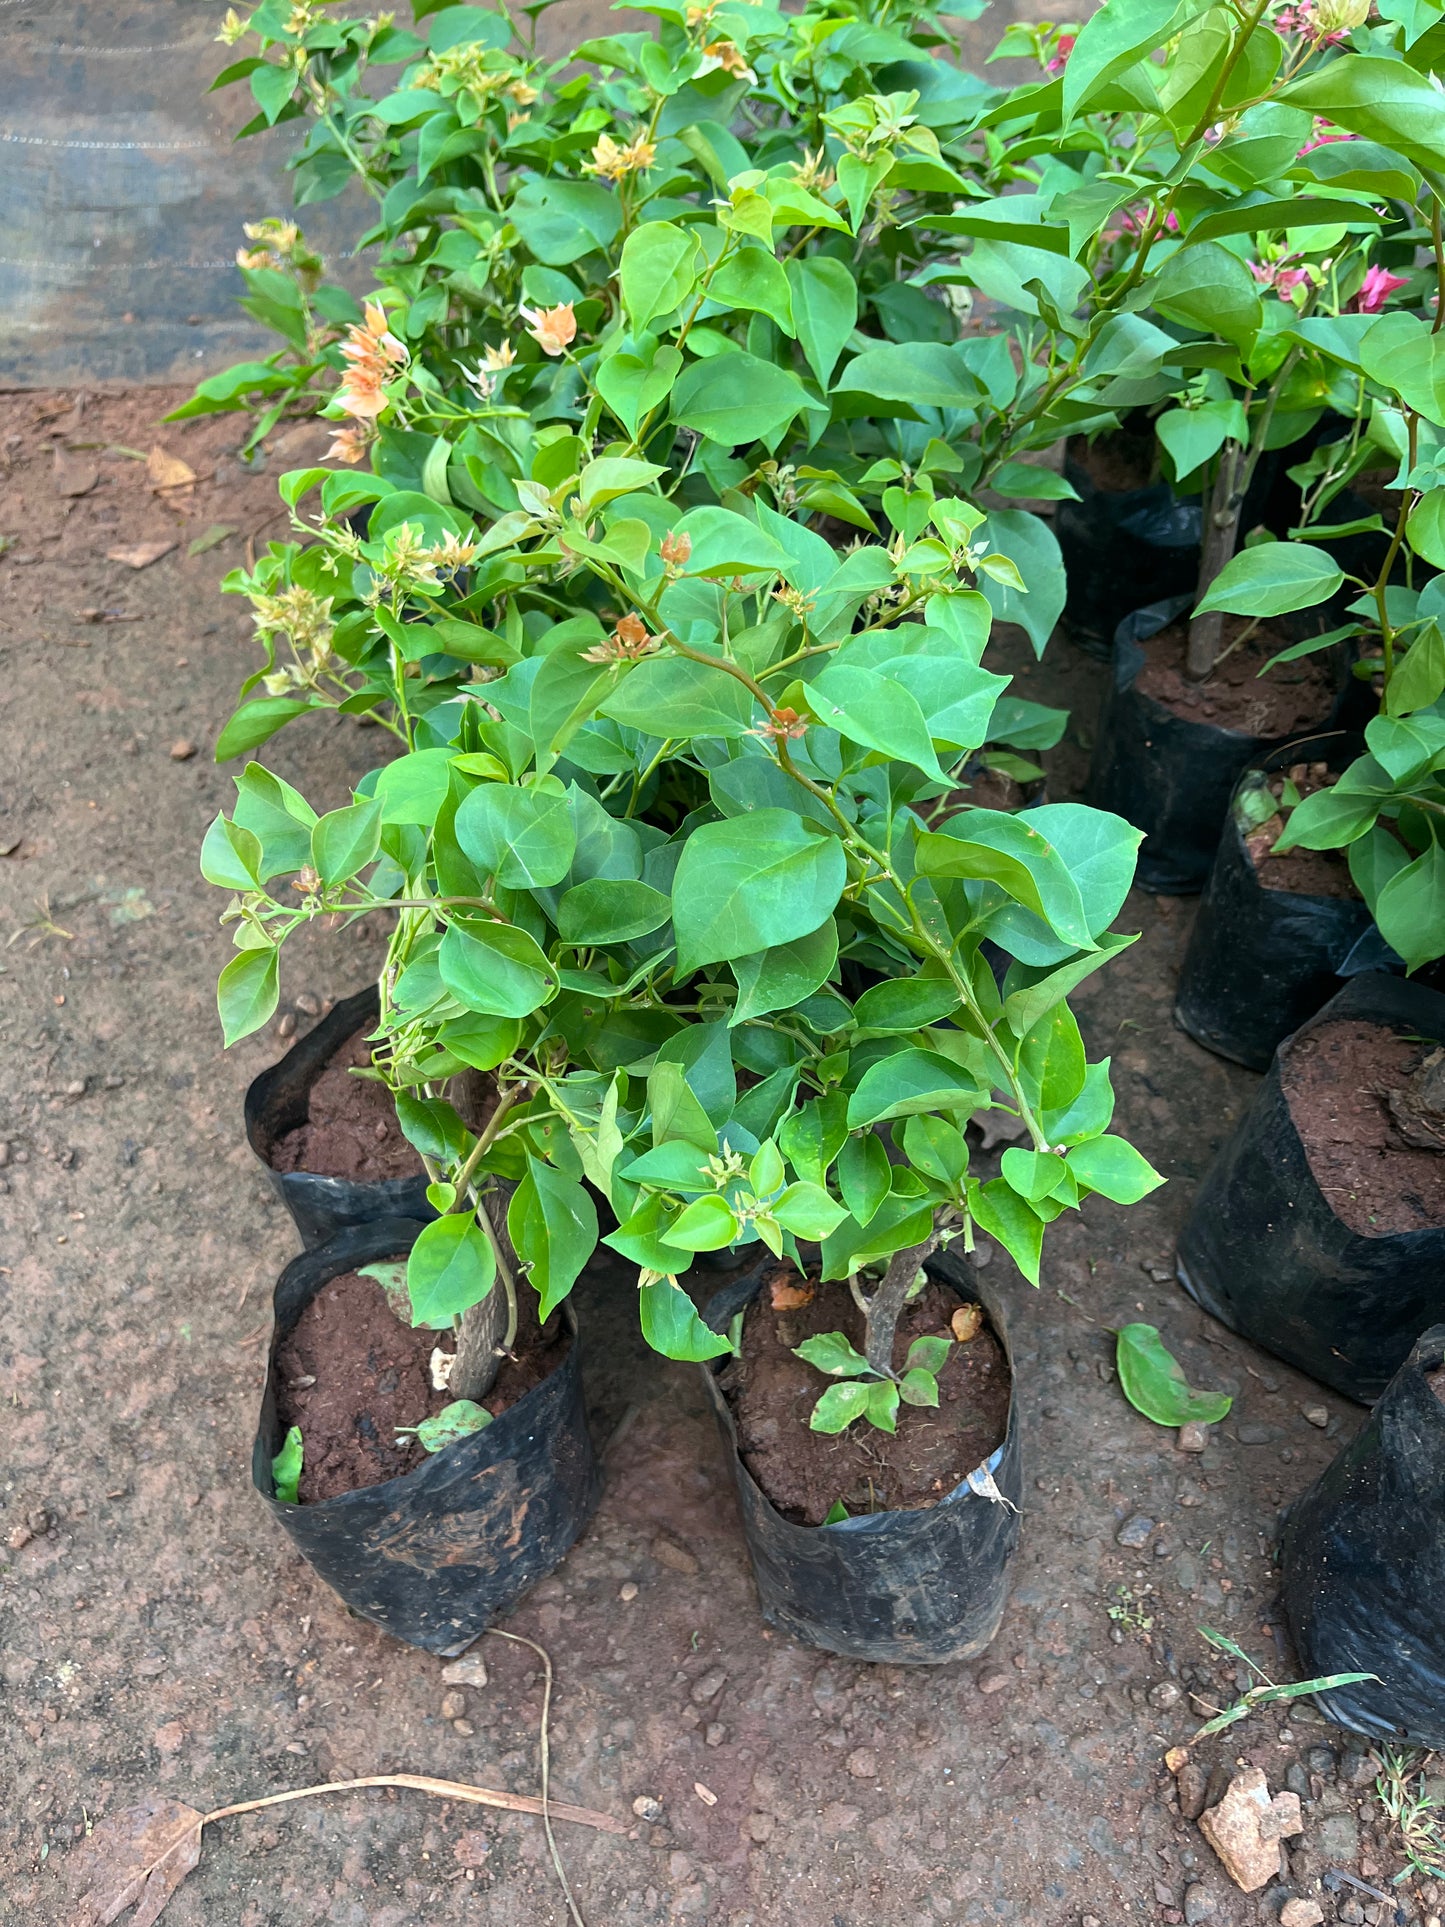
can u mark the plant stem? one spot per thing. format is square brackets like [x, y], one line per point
[880, 1321]
[488, 1330]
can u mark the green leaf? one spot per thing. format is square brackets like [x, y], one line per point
[345, 841]
[610, 476]
[836, 1410]
[752, 883]
[1425, 529]
[247, 992]
[831, 1352]
[525, 838]
[1112, 40]
[231, 857]
[683, 698]
[1384, 100]
[254, 722]
[753, 279]
[814, 1135]
[1112, 1167]
[459, 1420]
[1410, 909]
[919, 374]
[1034, 1175]
[432, 1126]
[707, 1224]
[1023, 1007]
[883, 1405]
[451, 1268]
[1154, 1384]
[606, 910]
[1208, 288]
[495, 968]
[906, 1003]
[1272, 579]
[836, 1514]
[414, 787]
[1401, 354]
[782, 977]
[1419, 678]
[997, 1210]
[909, 1083]
[993, 847]
[733, 399]
[929, 1354]
[871, 709]
[1030, 544]
[825, 309]
[286, 1469]
[1052, 1066]
[917, 1387]
[808, 1212]
[936, 1148]
[864, 1176]
[671, 1326]
[632, 387]
[553, 1225]
[481, 1041]
[658, 272]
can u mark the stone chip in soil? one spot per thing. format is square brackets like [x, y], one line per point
[1336, 1079]
[772, 1392]
[369, 1374]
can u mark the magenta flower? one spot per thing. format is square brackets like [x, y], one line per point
[1061, 57]
[1321, 136]
[1375, 290]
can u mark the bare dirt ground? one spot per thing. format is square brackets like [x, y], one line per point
[157, 1636]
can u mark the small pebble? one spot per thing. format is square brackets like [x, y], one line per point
[1166, 1694]
[1198, 1904]
[708, 1687]
[992, 1682]
[760, 1827]
[19, 1537]
[4, 1153]
[287, 1026]
[676, 1558]
[628, 1592]
[379, 1131]
[464, 1727]
[862, 1763]
[1316, 1415]
[308, 1004]
[647, 1808]
[1134, 1532]
[469, 1670]
[76, 1087]
[182, 750]
[453, 1705]
[1192, 1437]
[715, 1734]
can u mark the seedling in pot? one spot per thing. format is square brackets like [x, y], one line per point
[1266, 1693]
[868, 1392]
[286, 1468]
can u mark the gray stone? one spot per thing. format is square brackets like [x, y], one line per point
[1253, 1434]
[1321, 1760]
[1166, 1694]
[709, 1686]
[1192, 1437]
[1338, 1838]
[1134, 1532]
[1297, 1779]
[1316, 1415]
[1357, 1768]
[1198, 1905]
[1186, 1572]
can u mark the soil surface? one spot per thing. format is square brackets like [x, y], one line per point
[161, 1639]
[993, 789]
[1337, 1079]
[1305, 873]
[351, 1129]
[1292, 697]
[1116, 463]
[370, 1374]
[804, 1473]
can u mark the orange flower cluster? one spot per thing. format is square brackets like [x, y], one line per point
[676, 549]
[373, 355]
[553, 329]
[783, 725]
[629, 642]
[612, 163]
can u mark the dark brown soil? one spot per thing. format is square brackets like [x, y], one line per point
[370, 1374]
[351, 1131]
[1305, 873]
[804, 1473]
[1436, 1381]
[1293, 696]
[1115, 462]
[1336, 1080]
[991, 789]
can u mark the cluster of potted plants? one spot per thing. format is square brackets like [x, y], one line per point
[685, 458]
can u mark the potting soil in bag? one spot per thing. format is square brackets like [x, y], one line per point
[435, 1554]
[909, 1588]
[1337, 1274]
[1262, 958]
[278, 1105]
[1363, 1562]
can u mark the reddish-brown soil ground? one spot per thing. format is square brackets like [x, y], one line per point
[159, 1637]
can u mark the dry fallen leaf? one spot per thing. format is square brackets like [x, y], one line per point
[966, 1323]
[785, 1295]
[141, 554]
[136, 1858]
[167, 471]
[74, 478]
